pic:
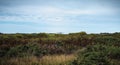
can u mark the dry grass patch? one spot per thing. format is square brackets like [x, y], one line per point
[57, 59]
[46, 60]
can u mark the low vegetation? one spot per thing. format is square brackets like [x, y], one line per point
[60, 49]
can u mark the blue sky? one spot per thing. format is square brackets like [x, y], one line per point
[52, 16]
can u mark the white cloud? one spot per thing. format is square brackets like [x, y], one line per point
[48, 13]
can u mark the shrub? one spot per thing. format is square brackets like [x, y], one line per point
[107, 40]
[3, 51]
[114, 52]
[25, 50]
[98, 55]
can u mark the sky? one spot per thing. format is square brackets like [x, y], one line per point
[53, 16]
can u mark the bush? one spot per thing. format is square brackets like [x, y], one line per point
[114, 52]
[25, 50]
[107, 40]
[3, 51]
[93, 55]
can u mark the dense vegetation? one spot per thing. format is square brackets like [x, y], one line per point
[74, 48]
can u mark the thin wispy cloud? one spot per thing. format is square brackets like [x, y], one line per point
[36, 13]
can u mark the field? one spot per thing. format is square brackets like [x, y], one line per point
[60, 49]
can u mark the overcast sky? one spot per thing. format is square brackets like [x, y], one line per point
[51, 16]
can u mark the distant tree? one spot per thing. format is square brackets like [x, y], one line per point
[42, 34]
[1, 33]
[83, 33]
